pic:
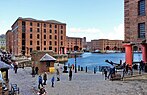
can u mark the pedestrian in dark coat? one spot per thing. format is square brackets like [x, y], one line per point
[15, 67]
[58, 75]
[141, 67]
[36, 70]
[44, 78]
[105, 73]
[33, 72]
[70, 74]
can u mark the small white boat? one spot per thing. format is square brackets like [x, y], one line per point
[96, 51]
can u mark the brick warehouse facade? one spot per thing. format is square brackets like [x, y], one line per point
[106, 44]
[135, 21]
[31, 34]
[74, 43]
[9, 41]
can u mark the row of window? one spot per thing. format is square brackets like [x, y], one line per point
[44, 25]
[50, 43]
[38, 30]
[38, 48]
[50, 36]
[3, 42]
[75, 43]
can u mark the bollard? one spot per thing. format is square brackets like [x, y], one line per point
[78, 67]
[82, 69]
[86, 69]
[94, 70]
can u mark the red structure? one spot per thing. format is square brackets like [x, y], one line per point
[144, 52]
[129, 54]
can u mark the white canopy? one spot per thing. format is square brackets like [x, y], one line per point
[4, 65]
[47, 57]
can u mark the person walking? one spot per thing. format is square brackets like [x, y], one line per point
[58, 75]
[141, 66]
[44, 78]
[105, 73]
[33, 72]
[40, 81]
[70, 74]
[36, 70]
[52, 81]
[15, 66]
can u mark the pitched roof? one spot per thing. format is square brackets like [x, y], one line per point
[47, 57]
[4, 65]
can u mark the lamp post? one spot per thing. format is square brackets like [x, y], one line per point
[75, 63]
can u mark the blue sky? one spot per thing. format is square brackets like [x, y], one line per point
[93, 19]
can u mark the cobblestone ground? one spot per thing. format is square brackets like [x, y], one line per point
[81, 84]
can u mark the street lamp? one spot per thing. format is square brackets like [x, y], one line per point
[75, 62]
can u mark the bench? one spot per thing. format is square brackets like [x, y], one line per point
[14, 88]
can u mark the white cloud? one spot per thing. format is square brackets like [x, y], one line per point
[118, 32]
[88, 30]
[89, 33]
[95, 33]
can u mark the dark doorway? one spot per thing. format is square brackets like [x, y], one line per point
[76, 48]
[107, 48]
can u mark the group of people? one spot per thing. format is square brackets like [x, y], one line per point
[34, 71]
[127, 69]
[41, 82]
[111, 72]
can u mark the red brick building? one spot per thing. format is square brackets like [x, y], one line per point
[135, 22]
[9, 41]
[74, 44]
[30, 34]
[105, 44]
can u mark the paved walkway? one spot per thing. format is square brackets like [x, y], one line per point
[28, 84]
[82, 84]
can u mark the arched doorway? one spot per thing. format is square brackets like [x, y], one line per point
[115, 48]
[135, 48]
[76, 48]
[107, 48]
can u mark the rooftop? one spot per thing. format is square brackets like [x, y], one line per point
[48, 21]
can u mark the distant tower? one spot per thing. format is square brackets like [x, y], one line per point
[84, 43]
